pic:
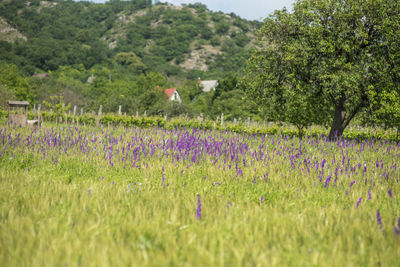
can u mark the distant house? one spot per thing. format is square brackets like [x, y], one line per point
[90, 79]
[173, 95]
[41, 75]
[208, 86]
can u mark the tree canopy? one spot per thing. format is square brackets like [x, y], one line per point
[327, 61]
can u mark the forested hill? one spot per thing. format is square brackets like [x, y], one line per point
[124, 53]
[189, 41]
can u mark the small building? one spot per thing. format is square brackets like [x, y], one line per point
[18, 112]
[41, 75]
[173, 95]
[208, 86]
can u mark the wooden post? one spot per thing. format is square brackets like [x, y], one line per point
[248, 122]
[222, 120]
[119, 110]
[99, 115]
[74, 110]
[81, 111]
[38, 115]
[144, 114]
[137, 114]
[34, 108]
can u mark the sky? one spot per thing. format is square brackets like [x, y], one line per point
[248, 9]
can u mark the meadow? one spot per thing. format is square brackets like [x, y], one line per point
[98, 196]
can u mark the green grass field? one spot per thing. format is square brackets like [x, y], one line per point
[74, 196]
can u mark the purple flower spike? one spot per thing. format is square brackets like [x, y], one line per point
[379, 219]
[261, 199]
[198, 211]
[396, 230]
[327, 181]
[369, 194]
[390, 193]
[358, 202]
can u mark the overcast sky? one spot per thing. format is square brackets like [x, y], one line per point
[248, 9]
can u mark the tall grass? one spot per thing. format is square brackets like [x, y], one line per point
[98, 197]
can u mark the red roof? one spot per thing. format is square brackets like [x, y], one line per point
[170, 92]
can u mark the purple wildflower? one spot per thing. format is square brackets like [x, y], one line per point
[379, 219]
[327, 181]
[390, 193]
[261, 199]
[396, 230]
[352, 183]
[198, 211]
[369, 194]
[358, 202]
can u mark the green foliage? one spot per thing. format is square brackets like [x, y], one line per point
[132, 60]
[12, 84]
[325, 62]
[222, 27]
[58, 106]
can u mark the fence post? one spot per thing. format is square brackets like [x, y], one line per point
[222, 120]
[119, 110]
[99, 115]
[38, 115]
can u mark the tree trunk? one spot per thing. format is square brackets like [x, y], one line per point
[338, 123]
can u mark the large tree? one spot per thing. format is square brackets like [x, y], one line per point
[326, 61]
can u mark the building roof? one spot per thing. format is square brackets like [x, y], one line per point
[18, 103]
[170, 92]
[209, 85]
[41, 75]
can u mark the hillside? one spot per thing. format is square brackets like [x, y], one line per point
[174, 40]
[125, 53]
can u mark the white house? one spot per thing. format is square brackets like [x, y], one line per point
[173, 95]
[208, 86]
